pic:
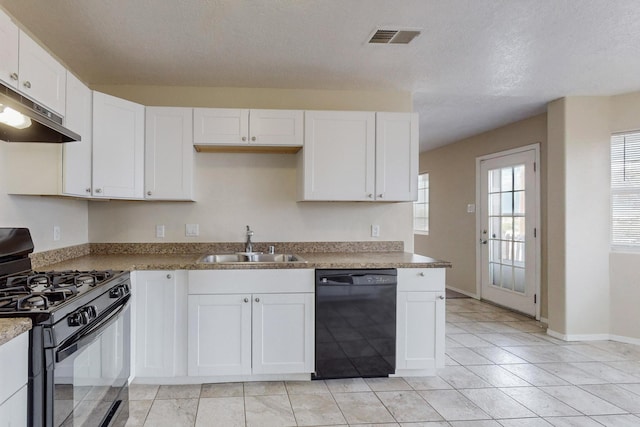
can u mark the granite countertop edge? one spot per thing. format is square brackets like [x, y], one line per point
[12, 327]
[133, 262]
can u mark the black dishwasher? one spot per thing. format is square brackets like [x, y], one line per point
[355, 323]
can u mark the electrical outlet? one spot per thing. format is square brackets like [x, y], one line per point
[56, 232]
[375, 230]
[471, 208]
[192, 230]
[160, 231]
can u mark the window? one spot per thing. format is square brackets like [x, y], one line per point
[625, 190]
[421, 206]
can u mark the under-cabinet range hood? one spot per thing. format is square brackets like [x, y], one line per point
[22, 120]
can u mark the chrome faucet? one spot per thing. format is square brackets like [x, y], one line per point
[249, 246]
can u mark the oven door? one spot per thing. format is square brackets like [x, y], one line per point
[91, 374]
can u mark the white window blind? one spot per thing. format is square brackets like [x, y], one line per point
[625, 190]
[421, 206]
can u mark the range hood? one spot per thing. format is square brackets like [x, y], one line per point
[45, 125]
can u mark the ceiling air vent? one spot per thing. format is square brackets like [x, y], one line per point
[393, 36]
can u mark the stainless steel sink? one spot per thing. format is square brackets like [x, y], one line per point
[244, 257]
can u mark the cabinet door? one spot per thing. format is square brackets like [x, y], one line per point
[420, 331]
[156, 297]
[283, 333]
[339, 155]
[41, 77]
[76, 156]
[118, 147]
[276, 127]
[13, 412]
[8, 51]
[219, 341]
[220, 126]
[168, 153]
[396, 156]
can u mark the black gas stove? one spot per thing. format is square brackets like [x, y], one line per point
[79, 345]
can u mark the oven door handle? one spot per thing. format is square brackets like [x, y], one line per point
[91, 335]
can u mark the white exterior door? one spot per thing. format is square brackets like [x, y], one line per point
[219, 341]
[508, 229]
[283, 333]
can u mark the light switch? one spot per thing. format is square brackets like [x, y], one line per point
[192, 230]
[56, 232]
[471, 208]
[375, 230]
[159, 231]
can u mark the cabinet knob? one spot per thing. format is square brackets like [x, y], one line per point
[148, 193]
[257, 299]
[253, 138]
[169, 276]
[244, 138]
[441, 297]
[380, 196]
[370, 196]
[98, 190]
[246, 300]
[14, 76]
[27, 84]
[88, 189]
[421, 274]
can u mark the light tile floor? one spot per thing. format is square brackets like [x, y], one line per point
[502, 370]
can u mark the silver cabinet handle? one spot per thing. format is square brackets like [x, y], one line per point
[441, 297]
[98, 190]
[27, 84]
[88, 189]
[244, 138]
[253, 138]
[14, 76]
[246, 300]
[169, 276]
[257, 299]
[148, 193]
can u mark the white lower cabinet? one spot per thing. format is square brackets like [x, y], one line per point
[160, 323]
[420, 323]
[270, 332]
[14, 358]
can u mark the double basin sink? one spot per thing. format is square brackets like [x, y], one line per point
[250, 257]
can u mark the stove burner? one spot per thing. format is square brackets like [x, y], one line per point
[85, 279]
[34, 301]
[38, 280]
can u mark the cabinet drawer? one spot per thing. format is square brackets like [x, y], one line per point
[421, 279]
[14, 358]
[251, 281]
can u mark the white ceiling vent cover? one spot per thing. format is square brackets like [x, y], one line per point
[389, 36]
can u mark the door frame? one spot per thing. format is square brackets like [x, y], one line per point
[538, 239]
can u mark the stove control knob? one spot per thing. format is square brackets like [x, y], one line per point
[117, 292]
[79, 318]
[91, 311]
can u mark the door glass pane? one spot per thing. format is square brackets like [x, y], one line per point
[494, 253]
[519, 280]
[518, 178]
[507, 228]
[507, 179]
[518, 229]
[518, 254]
[507, 203]
[507, 277]
[518, 203]
[495, 269]
[494, 227]
[494, 181]
[494, 204]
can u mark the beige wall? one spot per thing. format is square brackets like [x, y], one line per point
[625, 274]
[40, 214]
[233, 190]
[452, 182]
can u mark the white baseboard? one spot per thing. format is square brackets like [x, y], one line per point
[544, 320]
[469, 294]
[626, 340]
[592, 337]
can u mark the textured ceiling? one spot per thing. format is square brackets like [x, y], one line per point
[478, 64]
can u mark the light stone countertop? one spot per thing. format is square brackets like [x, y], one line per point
[11, 328]
[189, 262]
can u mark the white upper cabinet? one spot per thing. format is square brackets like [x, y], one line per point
[339, 155]
[76, 156]
[168, 153]
[9, 35]
[396, 156]
[118, 147]
[30, 69]
[360, 156]
[40, 76]
[220, 127]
